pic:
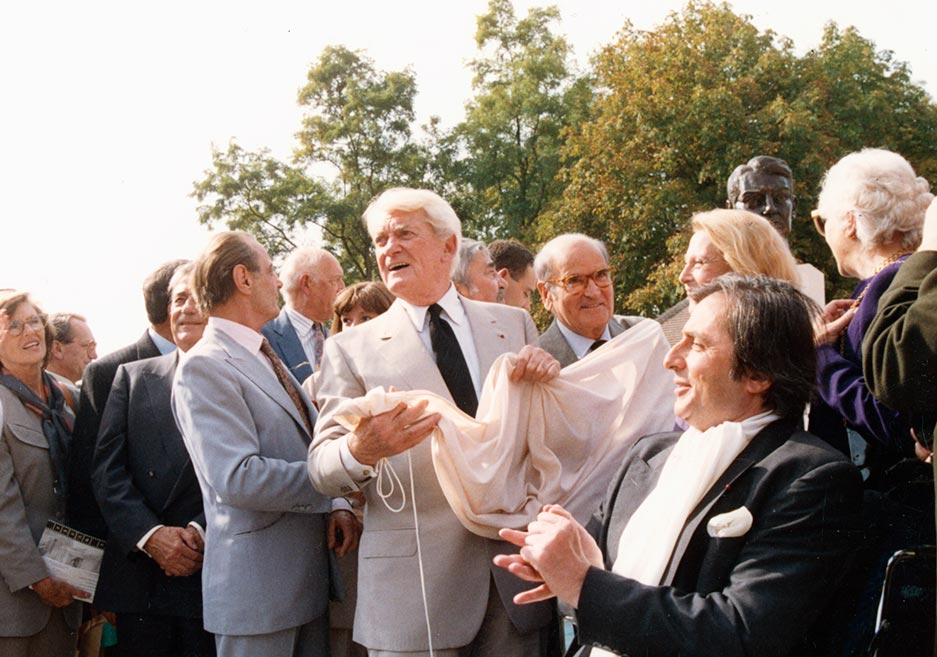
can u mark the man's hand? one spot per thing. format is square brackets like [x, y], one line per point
[56, 593]
[929, 239]
[344, 530]
[175, 550]
[833, 321]
[534, 365]
[556, 551]
[392, 432]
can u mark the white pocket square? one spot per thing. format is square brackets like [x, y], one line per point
[731, 524]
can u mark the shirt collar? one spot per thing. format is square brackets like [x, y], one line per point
[243, 335]
[578, 343]
[450, 303]
[163, 345]
[300, 322]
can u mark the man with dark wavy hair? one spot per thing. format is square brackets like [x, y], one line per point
[729, 539]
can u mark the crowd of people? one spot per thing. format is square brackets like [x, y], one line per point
[304, 480]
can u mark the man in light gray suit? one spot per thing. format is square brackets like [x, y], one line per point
[430, 339]
[247, 424]
[576, 286]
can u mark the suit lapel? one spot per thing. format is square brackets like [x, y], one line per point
[489, 334]
[556, 345]
[158, 385]
[767, 440]
[264, 378]
[405, 354]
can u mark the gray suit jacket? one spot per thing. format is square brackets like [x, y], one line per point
[26, 503]
[755, 594]
[266, 565]
[142, 477]
[553, 342]
[387, 351]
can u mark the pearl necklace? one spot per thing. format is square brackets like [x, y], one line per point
[884, 263]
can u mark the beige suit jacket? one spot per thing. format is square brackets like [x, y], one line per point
[387, 351]
[26, 503]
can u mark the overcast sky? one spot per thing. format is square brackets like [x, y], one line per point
[109, 111]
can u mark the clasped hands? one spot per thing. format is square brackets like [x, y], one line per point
[177, 550]
[403, 426]
[555, 551]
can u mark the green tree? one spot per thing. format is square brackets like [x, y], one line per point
[505, 155]
[355, 136]
[683, 104]
[257, 193]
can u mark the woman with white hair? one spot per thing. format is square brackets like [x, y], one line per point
[871, 212]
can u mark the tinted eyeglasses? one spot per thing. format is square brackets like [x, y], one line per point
[576, 283]
[818, 222]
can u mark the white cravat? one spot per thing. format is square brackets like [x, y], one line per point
[698, 459]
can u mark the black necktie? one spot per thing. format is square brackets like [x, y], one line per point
[451, 362]
[595, 345]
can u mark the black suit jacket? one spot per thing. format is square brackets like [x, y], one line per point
[756, 594]
[83, 511]
[142, 477]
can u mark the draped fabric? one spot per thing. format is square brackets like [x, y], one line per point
[533, 444]
[56, 423]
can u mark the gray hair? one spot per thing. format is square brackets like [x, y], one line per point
[545, 262]
[61, 324]
[887, 197]
[299, 262]
[468, 249]
[183, 274]
[439, 214]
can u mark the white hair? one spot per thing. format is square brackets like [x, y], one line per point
[301, 261]
[887, 197]
[549, 253]
[439, 214]
[468, 249]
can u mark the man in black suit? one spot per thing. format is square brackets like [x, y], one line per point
[576, 285]
[149, 496]
[83, 511]
[731, 538]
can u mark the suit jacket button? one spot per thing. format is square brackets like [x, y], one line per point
[151, 474]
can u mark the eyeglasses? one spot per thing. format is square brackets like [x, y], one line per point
[818, 222]
[36, 323]
[576, 283]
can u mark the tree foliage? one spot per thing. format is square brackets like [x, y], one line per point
[356, 130]
[506, 153]
[680, 106]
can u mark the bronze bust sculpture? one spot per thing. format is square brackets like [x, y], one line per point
[764, 185]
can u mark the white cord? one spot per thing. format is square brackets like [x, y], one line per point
[383, 465]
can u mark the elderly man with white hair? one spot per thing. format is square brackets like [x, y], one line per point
[576, 285]
[426, 584]
[475, 276]
[312, 278]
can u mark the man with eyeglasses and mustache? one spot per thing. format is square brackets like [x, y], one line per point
[576, 284]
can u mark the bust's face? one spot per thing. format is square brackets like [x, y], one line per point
[769, 195]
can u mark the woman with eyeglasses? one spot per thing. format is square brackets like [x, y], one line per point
[871, 212]
[38, 613]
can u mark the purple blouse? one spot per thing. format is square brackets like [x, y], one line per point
[843, 394]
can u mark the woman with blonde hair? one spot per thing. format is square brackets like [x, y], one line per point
[735, 241]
